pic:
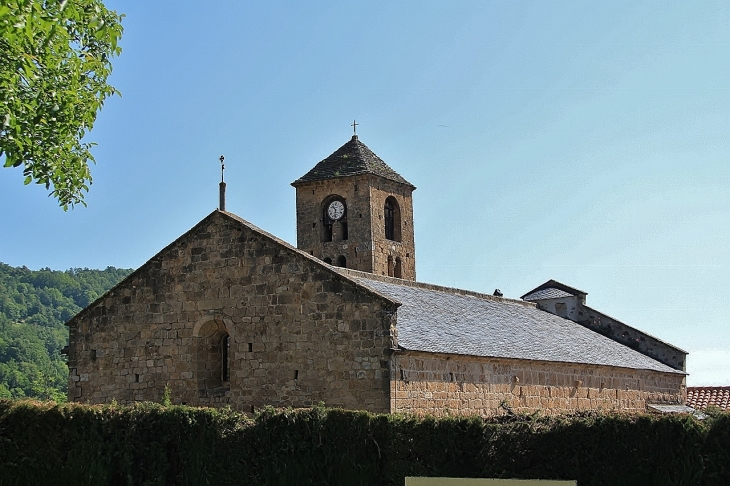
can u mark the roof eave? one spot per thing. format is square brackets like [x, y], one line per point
[477, 356]
[302, 182]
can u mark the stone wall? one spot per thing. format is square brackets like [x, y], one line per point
[366, 248]
[435, 384]
[297, 332]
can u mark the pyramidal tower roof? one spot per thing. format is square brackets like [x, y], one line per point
[351, 159]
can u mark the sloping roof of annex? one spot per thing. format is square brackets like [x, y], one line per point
[552, 289]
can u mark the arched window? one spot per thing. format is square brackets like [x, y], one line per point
[213, 346]
[334, 216]
[390, 266]
[327, 260]
[342, 261]
[391, 212]
[398, 273]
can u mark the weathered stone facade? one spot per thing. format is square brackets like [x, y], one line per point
[297, 333]
[427, 383]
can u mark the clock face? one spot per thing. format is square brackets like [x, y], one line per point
[335, 210]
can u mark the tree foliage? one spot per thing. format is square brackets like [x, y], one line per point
[34, 305]
[53, 81]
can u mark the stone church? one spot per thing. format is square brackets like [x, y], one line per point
[230, 315]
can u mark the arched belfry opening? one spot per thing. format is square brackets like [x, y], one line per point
[212, 343]
[391, 213]
[334, 219]
[395, 267]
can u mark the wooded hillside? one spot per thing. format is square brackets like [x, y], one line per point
[34, 305]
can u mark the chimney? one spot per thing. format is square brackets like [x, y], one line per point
[222, 204]
[222, 185]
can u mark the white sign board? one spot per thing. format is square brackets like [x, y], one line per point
[485, 482]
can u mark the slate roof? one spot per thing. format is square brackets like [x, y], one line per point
[351, 159]
[557, 286]
[444, 321]
[700, 397]
[549, 293]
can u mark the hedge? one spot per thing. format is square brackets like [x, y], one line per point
[150, 444]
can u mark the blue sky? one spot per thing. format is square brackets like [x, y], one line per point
[587, 142]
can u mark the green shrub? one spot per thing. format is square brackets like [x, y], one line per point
[153, 444]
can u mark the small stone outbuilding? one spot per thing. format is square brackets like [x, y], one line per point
[229, 315]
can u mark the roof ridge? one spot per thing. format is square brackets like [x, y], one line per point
[428, 286]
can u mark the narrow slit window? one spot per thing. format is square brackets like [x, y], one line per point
[225, 369]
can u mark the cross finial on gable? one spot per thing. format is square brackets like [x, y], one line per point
[354, 127]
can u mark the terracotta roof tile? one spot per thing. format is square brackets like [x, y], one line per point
[701, 397]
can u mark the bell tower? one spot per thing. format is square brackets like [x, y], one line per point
[354, 211]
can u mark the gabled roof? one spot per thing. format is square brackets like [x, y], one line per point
[351, 159]
[441, 320]
[701, 397]
[552, 289]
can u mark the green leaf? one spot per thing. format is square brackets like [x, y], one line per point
[56, 59]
